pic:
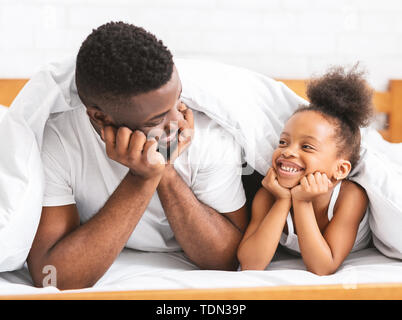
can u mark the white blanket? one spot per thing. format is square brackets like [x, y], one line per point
[249, 105]
[135, 270]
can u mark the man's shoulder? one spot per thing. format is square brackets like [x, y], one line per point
[62, 122]
[206, 128]
[211, 142]
[62, 129]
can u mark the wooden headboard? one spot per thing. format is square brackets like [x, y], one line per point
[387, 102]
[9, 89]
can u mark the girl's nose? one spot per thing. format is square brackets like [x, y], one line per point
[289, 152]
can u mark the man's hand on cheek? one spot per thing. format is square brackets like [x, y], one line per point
[311, 186]
[185, 133]
[133, 150]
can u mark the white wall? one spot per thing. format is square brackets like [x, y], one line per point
[280, 38]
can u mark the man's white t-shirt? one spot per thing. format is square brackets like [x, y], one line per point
[78, 171]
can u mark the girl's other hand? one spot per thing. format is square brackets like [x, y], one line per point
[311, 186]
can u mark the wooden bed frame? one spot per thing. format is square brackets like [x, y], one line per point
[388, 102]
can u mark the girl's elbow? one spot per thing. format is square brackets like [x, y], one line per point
[247, 264]
[322, 271]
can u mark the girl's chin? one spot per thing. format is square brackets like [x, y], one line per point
[288, 183]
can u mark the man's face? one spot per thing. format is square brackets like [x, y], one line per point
[155, 113]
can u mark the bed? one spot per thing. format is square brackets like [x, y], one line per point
[366, 274]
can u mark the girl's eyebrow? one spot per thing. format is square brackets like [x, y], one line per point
[310, 137]
[303, 136]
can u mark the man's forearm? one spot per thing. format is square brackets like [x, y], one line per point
[84, 255]
[208, 238]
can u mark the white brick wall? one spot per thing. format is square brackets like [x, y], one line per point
[280, 38]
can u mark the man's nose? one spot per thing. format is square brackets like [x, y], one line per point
[172, 120]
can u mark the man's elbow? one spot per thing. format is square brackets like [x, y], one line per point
[47, 274]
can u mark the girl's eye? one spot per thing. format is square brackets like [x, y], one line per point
[306, 146]
[282, 142]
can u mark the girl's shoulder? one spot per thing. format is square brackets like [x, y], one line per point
[352, 197]
[349, 187]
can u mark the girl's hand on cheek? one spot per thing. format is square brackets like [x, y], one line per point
[311, 186]
[270, 182]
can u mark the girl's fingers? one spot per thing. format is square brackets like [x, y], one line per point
[304, 183]
[318, 179]
[311, 180]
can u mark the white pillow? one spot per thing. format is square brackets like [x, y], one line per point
[254, 109]
[3, 110]
[21, 176]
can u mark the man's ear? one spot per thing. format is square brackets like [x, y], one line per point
[99, 117]
[342, 170]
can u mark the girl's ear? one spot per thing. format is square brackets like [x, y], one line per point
[99, 117]
[343, 168]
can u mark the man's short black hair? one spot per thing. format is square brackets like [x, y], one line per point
[119, 60]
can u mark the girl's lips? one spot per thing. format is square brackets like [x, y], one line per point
[288, 169]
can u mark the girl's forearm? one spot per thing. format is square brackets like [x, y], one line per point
[315, 251]
[256, 252]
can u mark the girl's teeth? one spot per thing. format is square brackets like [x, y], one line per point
[289, 169]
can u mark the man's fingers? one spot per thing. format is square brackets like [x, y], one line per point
[137, 142]
[189, 117]
[109, 134]
[182, 107]
[149, 152]
[123, 137]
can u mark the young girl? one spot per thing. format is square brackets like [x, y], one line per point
[306, 202]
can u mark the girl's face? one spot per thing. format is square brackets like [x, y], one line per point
[307, 145]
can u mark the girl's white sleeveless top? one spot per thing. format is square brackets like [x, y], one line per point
[362, 238]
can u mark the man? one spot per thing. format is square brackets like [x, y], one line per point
[135, 167]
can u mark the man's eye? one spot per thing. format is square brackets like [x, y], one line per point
[153, 124]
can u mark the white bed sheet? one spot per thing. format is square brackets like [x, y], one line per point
[135, 270]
